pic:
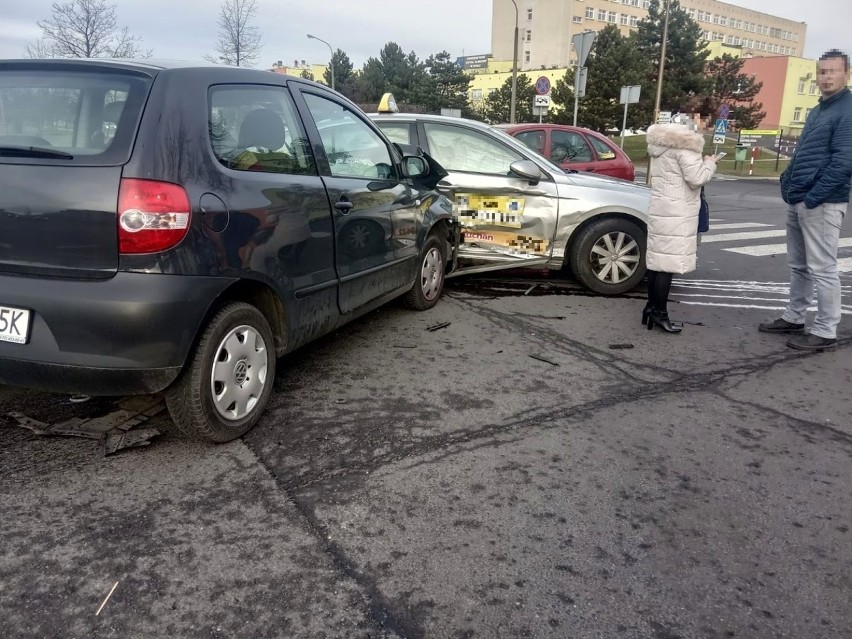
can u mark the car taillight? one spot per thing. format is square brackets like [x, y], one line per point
[152, 216]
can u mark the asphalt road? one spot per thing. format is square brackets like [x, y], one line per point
[541, 466]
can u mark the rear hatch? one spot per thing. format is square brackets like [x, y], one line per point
[66, 130]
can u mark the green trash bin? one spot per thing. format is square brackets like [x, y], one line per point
[740, 153]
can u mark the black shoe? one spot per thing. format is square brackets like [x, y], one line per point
[646, 312]
[781, 326]
[812, 343]
[662, 320]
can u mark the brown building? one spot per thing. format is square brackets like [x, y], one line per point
[545, 27]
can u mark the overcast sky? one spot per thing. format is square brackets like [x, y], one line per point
[187, 29]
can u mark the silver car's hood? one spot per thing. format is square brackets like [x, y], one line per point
[610, 184]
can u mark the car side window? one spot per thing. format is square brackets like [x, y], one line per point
[568, 146]
[604, 151]
[257, 128]
[533, 139]
[466, 150]
[353, 148]
[399, 132]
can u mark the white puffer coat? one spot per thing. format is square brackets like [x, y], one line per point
[678, 172]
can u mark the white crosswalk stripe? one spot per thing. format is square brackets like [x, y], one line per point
[761, 250]
[733, 237]
[767, 296]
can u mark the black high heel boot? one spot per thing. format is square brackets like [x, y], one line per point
[662, 320]
[646, 313]
[649, 307]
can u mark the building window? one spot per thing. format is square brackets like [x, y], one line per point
[624, 19]
[813, 88]
[577, 18]
[529, 35]
[691, 13]
[715, 18]
[634, 3]
[590, 13]
[634, 21]
[807, 113]
[797, 114]
[737, 40]
[526, 56]
[723, 21]
[801, 87]
[705, 35]
[602, 15]
[701, 16]
[613, 17]
[646, 4]
[529, 14]
[477, 94]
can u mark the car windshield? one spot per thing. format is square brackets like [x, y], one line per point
[75, 116]
[524, 149]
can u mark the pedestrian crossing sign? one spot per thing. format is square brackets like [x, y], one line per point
[721, 127]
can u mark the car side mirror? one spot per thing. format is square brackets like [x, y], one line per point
[526, 169]
[414, 167]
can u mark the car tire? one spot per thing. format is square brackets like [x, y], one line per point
[608, 256]
[227, 381]
[431, 271]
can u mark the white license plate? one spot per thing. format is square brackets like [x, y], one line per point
[14, 325]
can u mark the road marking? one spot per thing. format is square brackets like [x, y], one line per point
[761, 250]
[738, 225]
[734, 237]
[844, 265]
[812, 309]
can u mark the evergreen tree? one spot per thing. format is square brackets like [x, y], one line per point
[686, 54]
[611, 65]
[447, 85]
[344, 76]
[736, 89]
[370, 83]
[497, 107]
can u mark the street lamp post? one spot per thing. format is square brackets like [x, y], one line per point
[330, 60]
[514, 70]
[660, 80]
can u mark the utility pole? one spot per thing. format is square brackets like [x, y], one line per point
[331, 59]
[514, 70]
[660, 80]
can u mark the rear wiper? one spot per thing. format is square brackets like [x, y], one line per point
[34, 152]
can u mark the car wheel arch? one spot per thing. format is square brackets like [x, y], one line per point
[263, 297]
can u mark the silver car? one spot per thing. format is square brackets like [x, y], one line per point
[517, 209]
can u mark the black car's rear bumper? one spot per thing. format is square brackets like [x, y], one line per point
[127, 335]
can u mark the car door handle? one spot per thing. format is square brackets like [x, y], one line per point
[344, 206]
[446, 185]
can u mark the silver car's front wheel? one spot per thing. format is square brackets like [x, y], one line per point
[615, 257]
[608, 255]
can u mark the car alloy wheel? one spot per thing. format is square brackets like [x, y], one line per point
[432, 274]
[615, 257]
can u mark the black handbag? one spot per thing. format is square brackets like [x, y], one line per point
[703, 214]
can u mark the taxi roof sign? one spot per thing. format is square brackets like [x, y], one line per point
[388, 104]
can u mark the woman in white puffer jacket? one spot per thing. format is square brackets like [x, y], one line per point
[677, 174]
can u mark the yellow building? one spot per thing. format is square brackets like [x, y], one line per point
[486, 81]
[299, 67]
[545, 27]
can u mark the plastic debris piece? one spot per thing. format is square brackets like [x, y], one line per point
[544, 359]
[618, 347]
[437, 327]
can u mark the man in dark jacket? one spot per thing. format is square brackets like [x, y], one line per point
[816, 187]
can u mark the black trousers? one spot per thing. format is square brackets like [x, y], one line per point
[659, 285]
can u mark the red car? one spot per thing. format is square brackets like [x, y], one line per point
[572, 147]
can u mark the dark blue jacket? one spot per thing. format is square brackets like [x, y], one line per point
[821, 168]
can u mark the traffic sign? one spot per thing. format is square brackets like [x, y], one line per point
[664, 117]
[542, 101]
[583, 45]
[630, 94]
[721, 127]
[542, 85]
[724, 112]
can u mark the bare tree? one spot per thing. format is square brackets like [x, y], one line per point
[239, 42]
[85, 29]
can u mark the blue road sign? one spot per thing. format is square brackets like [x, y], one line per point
[721, 127]
[542, 85]
[724, 112]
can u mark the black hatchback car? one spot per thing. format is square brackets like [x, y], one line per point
[174, 226]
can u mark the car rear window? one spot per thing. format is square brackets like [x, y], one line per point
[73, 117]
